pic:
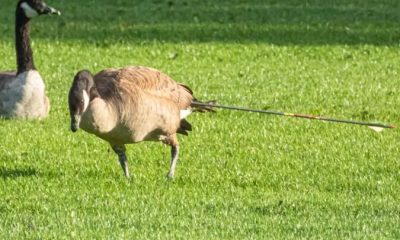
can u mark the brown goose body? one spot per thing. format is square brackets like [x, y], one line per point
[130, 105]
[134, 104]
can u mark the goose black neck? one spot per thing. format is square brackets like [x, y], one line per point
[22, 43]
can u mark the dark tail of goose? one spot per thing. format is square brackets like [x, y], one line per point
[196, 106]
[184, 127]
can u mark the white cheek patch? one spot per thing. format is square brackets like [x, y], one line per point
[29, 11]
[86, 100]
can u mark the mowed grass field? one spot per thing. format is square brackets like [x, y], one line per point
[240, 175]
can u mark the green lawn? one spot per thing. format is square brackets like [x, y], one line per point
[240, 175]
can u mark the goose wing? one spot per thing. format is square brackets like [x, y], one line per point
[131, 80]
[6, 77]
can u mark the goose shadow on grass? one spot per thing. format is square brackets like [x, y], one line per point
[285, 22]
[11, 173]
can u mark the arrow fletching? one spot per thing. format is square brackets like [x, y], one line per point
[376, 129]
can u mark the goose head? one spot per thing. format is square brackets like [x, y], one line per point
[33, 8]
[79, 97]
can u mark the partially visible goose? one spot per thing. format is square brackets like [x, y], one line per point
[130, 105]
[22, 93]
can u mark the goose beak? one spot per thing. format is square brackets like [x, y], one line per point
[74, 127]
[50, 11]
[75, 120]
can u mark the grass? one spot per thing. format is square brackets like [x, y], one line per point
[240, 175]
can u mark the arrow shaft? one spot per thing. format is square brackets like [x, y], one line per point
[295, 115]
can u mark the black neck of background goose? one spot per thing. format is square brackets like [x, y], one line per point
[22, 43]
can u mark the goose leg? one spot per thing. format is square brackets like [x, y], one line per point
[174, 159]
[120, 151]
[173, 142]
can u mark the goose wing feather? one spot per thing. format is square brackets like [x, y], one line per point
[144, 80]
[5, 77]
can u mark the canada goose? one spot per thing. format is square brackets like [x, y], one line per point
[130, 105]
[22, 93]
